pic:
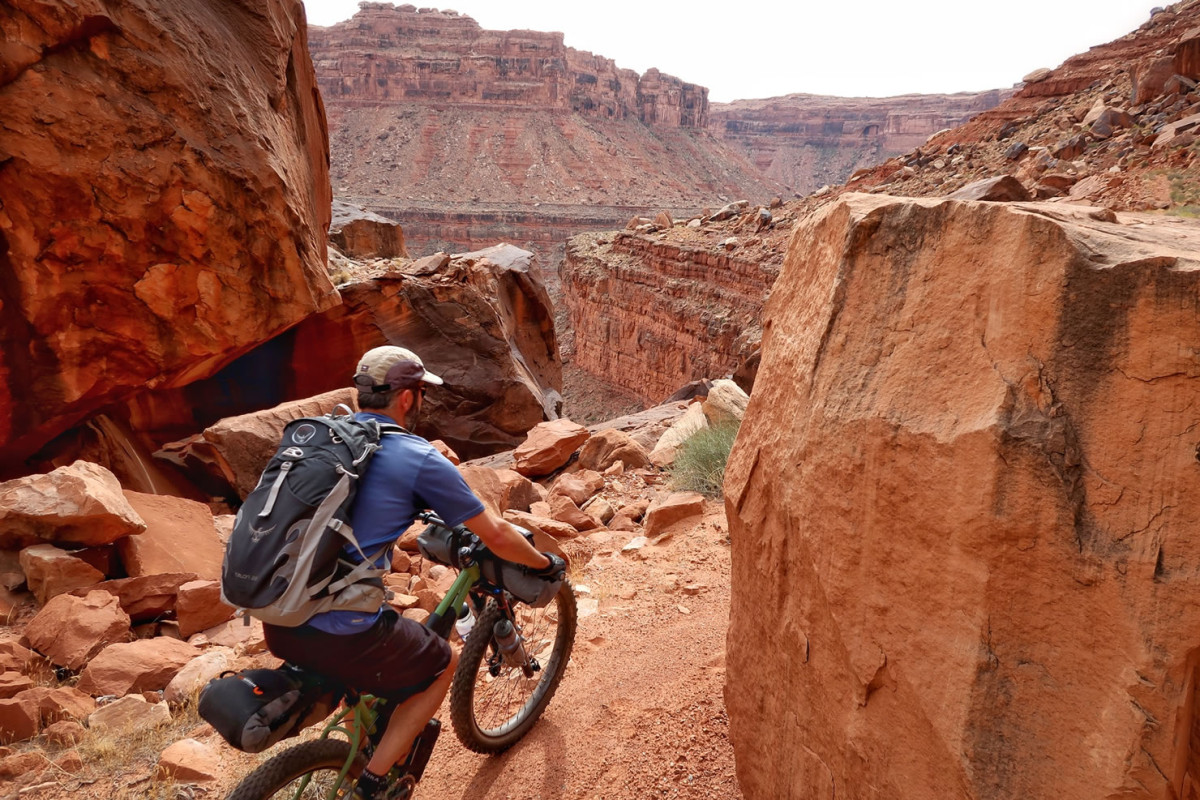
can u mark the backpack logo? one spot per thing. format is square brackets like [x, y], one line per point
[304, 433]
[256, 534]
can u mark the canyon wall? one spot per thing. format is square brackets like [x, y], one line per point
[469, 137]
[652, 313]
[164, 196]
[809, 141]
[965, 487]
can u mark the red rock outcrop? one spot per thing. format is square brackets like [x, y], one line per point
[358, 233]
[964, 489]
[164, 197]
[808, 141]
[651, 312]
[481, 320]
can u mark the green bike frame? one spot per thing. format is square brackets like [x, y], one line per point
[354, 720]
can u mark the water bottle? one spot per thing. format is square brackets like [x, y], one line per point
[508, 642]
[465, 623]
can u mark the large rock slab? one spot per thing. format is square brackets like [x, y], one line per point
[360, 233]
[70, 630]
[549, 446]
[80, 503]
[965, 487]
[164, 196]
[237, 449]
[483, 322]
[180, 537]
[199, 607]
[51, 571]
[142, 666]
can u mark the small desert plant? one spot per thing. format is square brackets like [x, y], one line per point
[700, 461]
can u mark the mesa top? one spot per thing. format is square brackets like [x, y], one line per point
[406, 476]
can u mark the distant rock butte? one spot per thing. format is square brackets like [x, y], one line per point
[964, 489]
[391, 54]
[808, 141]
[164, 198]
[469, 136]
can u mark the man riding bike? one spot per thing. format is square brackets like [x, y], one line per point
[383, 653]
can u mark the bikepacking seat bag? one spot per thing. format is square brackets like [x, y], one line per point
[255, 708]
[283, 561]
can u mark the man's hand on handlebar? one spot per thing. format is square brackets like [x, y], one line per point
[553, 571]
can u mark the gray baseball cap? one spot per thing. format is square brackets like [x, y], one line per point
[390, 368]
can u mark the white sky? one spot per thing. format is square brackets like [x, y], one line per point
[872, 48]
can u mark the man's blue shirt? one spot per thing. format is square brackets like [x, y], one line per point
[406, 476]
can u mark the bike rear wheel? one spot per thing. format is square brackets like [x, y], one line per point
[492, 703]
[282, 776]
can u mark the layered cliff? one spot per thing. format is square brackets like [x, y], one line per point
[468, 136]
[164, 196]
[651, 312]
[964, 486]
[808, 141]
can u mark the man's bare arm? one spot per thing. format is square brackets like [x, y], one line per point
[503, 539]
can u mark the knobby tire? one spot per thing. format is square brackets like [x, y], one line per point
[274, 774]
[473, 689]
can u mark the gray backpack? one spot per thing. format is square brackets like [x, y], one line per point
[283, 561]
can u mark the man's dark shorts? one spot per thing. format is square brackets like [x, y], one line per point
[394, 658]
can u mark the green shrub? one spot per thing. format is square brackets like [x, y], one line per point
[700, 461]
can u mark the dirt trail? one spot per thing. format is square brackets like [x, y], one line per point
[640, 710]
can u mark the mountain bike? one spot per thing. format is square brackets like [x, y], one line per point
[511, 664]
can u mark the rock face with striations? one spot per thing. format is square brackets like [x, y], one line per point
[652, 314]
[965, 486]
[164, 195]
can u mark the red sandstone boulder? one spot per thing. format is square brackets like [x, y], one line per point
[564, 509]
[141, 666]
[199, 607]
[578, 486]
[55, 704]
[548, 446]
[190, 761]
[445, 450]
[608, 447]
[180, 537]
[726, 402]
[146, 597]
[359, 233]
[237, 449]
[18, 720]
[71, 630]
[131, 713]
[13, 683]
[519, 491]
[673, 508]
[16, 657]
[159, 233]
[81, 503]
[51, 571]
[965, 489]
[559, 531]
[1001, 189]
